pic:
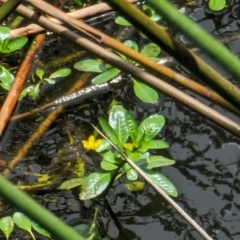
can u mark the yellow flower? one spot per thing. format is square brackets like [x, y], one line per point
[91, 143]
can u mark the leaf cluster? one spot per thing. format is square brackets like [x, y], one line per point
[108, 72]
[33, 90]
[22, 221]
[136, 142]
[8, 45]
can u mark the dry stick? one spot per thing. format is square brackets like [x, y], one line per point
[74, 97]
[205, 69]
[196, 87]
[157, 188]
[20, 78]
[137, 72]
[78, 14]
[41, 129]
[183, 55]
[118, 46]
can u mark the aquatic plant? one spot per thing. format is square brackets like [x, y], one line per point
[108, 72]
[136, 142]
[33, 90]
[8, 223]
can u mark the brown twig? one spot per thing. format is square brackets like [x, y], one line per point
[42, 128]
[20, 78]
[137, 72]
[78, 14]
[118, 46]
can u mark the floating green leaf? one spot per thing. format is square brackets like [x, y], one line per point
[150, 12]
[94, 185]
[106, 76]
[155, 144]
[144, 92]
[64, 72]
[131, 125]
[40, 73]
[150, 127]
[6, 225]
[109, 157]
[151, 50]
[217, 5]
[82, 229]
[25, 92]
[49, 80]
[162, 182]
[159, 161]
[34, 91]
[6, 78]
[122, 21]
[118, 122]
[132, 174]
[40, 230]
[71, 183]
[15, 44]
[104, 145]
[108, 130]
[131, 44]
[108, 166]
[89, 65]
[23, 222]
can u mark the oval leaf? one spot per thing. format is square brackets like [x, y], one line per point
[49, 80]
[159, 161]
[15, 44]
[151, 50]
[131, 44]
[106, 76]
[6, 78]
[89, 65]
[6, 225]
[40, 230]
[162, 183]
[132, 174]
[150, 127]
[22, 221]
[94, 185]
[64, 72]
[103, 146]
[118, 122]
[109, 157]
[40, 73]
[108, 166]
[216, 5]
[144, 92]
[34, 92]
[108, 130]
[71, 183]
[122, 22]
[131, 125]
[155, 144]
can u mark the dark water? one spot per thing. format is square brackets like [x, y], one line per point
[206, 173]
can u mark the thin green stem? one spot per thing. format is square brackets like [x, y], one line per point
[8, 7]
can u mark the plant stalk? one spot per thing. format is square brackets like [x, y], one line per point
[182, 54]
[33, 210]
[137, 72]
